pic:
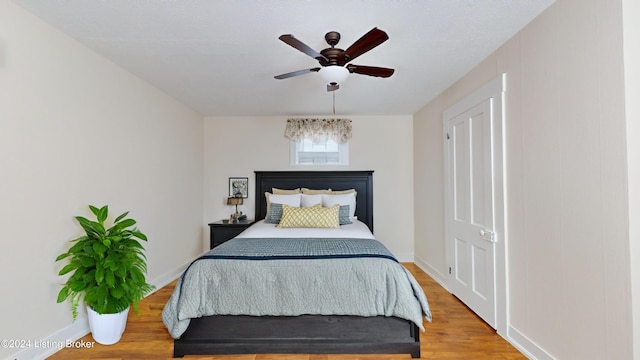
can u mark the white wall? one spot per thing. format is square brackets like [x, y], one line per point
[566, 168]
[238, 146]
[631, 28]
[77, 130]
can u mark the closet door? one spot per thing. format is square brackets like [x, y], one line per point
[475, 230]
[470, 221]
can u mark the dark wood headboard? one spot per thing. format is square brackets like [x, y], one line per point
[362, 181]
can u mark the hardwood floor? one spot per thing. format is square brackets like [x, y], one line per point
[455, 333]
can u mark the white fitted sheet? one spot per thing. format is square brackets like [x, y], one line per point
[260, 229]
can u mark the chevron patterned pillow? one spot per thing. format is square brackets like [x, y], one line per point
[310, 217]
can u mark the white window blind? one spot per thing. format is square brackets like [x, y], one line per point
[305, 152]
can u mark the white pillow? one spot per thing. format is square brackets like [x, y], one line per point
[310, 200]
[288, 199]
[342, 199]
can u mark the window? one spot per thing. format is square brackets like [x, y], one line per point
[318, 141]
[329, 152]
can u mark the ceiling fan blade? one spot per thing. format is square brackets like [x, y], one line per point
[333, 87]
[290, 40]
[296, 73]
[370, 70]
[367, 42]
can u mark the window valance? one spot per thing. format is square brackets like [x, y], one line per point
[319, 130]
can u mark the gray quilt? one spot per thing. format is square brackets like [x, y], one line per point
[326, 277]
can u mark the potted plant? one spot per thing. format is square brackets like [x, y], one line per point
[109, 268]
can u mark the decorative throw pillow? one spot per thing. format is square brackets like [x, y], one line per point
[275, 213]
[340, 192]
[285, 191]
[315, 192]
[311, 217]
[343, 215]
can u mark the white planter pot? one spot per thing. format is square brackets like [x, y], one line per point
[107, 329]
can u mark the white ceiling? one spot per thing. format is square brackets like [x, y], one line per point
[219, 56]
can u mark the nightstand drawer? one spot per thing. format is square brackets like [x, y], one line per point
[223, 230]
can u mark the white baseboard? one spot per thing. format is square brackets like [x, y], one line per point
[529, 348]
[431, 271]
[166, 278]
[40, 349]
[521, 342]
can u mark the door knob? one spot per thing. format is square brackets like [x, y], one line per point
[488, 235]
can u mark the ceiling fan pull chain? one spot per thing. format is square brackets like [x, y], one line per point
[334, 102]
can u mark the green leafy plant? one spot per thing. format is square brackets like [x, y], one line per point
[108, 265]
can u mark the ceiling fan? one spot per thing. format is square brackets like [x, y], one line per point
[333, 60]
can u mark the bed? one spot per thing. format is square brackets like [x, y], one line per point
[298, 329]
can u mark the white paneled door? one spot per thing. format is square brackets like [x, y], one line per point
[470, 214]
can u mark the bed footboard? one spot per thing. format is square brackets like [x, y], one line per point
[307, 334]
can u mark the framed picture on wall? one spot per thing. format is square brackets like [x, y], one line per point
[239, 186]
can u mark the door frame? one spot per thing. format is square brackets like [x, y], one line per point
[494, 90]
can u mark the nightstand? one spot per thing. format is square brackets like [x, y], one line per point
[223, 230]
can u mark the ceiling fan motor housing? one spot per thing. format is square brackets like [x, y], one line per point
[332, 54]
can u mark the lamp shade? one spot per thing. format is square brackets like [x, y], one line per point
[234, 201]
[334, 74]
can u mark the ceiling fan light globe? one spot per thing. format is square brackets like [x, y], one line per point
[334, 74]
